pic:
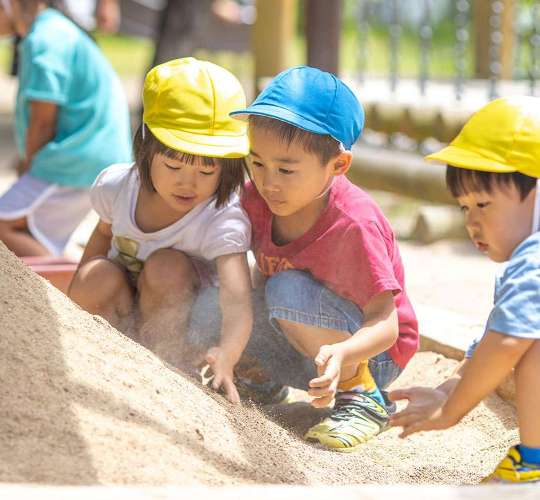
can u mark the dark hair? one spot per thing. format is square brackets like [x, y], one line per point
[58, 5]
[232, 169]
[324, 146]
[461, 181]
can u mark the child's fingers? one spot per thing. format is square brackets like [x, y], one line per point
[333, 368]
[322, 358]
[404, 418]
[411, 429]
[331, 373]
[323, 395]
[210, 357]
[334, 385]
[323, 381]
[322, 402]
[399, 394]
[230, 391]
[216, 383]
[319, 392]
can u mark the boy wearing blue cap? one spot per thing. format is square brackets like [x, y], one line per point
[334, 277]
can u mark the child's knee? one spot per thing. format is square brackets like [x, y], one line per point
[98, 275]
[168, 269]
[4, 229]
[8, 226]
[4, 226]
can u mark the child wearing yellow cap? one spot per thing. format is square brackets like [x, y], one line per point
[493, 171]
[171, 223]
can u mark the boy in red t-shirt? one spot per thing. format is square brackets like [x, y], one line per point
[335, 284]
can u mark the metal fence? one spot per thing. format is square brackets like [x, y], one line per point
[492, 40]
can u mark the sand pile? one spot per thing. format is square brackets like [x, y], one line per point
[82, 404]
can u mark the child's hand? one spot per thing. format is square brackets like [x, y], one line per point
[222, 367]
[324, 387]
[424, 412]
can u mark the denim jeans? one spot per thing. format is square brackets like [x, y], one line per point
[296, 296]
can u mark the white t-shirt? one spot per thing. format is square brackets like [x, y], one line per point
[204, 233]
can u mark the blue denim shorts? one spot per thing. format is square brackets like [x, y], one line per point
[292, 295]
[296, 296]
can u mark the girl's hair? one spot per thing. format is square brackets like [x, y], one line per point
[144, 149]
[461, 181]
[325, 147]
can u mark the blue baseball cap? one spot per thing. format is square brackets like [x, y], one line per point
[313, 100]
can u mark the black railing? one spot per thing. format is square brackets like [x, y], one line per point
[492, 40]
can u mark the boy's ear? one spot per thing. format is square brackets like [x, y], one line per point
[341, 163]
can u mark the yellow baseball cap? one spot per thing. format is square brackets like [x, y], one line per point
[503, 136]
[187, 104]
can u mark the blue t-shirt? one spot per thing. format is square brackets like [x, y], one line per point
[60, 63]
[516, 310]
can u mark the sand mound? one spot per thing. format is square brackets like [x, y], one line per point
[82, 404]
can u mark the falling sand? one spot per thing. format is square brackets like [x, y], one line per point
[83, 404]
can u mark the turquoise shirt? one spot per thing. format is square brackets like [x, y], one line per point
[59, 63]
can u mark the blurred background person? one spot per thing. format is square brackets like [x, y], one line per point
[71, 121]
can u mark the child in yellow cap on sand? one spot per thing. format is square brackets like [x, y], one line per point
[493, 170]
[171, 223]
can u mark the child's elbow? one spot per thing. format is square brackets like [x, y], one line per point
[392, 332]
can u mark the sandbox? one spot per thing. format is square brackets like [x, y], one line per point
[84, 405]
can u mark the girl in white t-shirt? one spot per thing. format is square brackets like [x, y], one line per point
[172, 223]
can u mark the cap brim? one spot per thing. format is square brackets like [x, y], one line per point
[462, 158]
[282, 114]
[203, 145]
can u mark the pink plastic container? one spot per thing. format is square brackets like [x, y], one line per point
[59, 271]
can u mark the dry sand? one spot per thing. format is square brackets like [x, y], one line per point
[452, 275]
[82, 404]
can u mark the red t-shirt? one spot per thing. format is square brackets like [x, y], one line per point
[351, 249]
